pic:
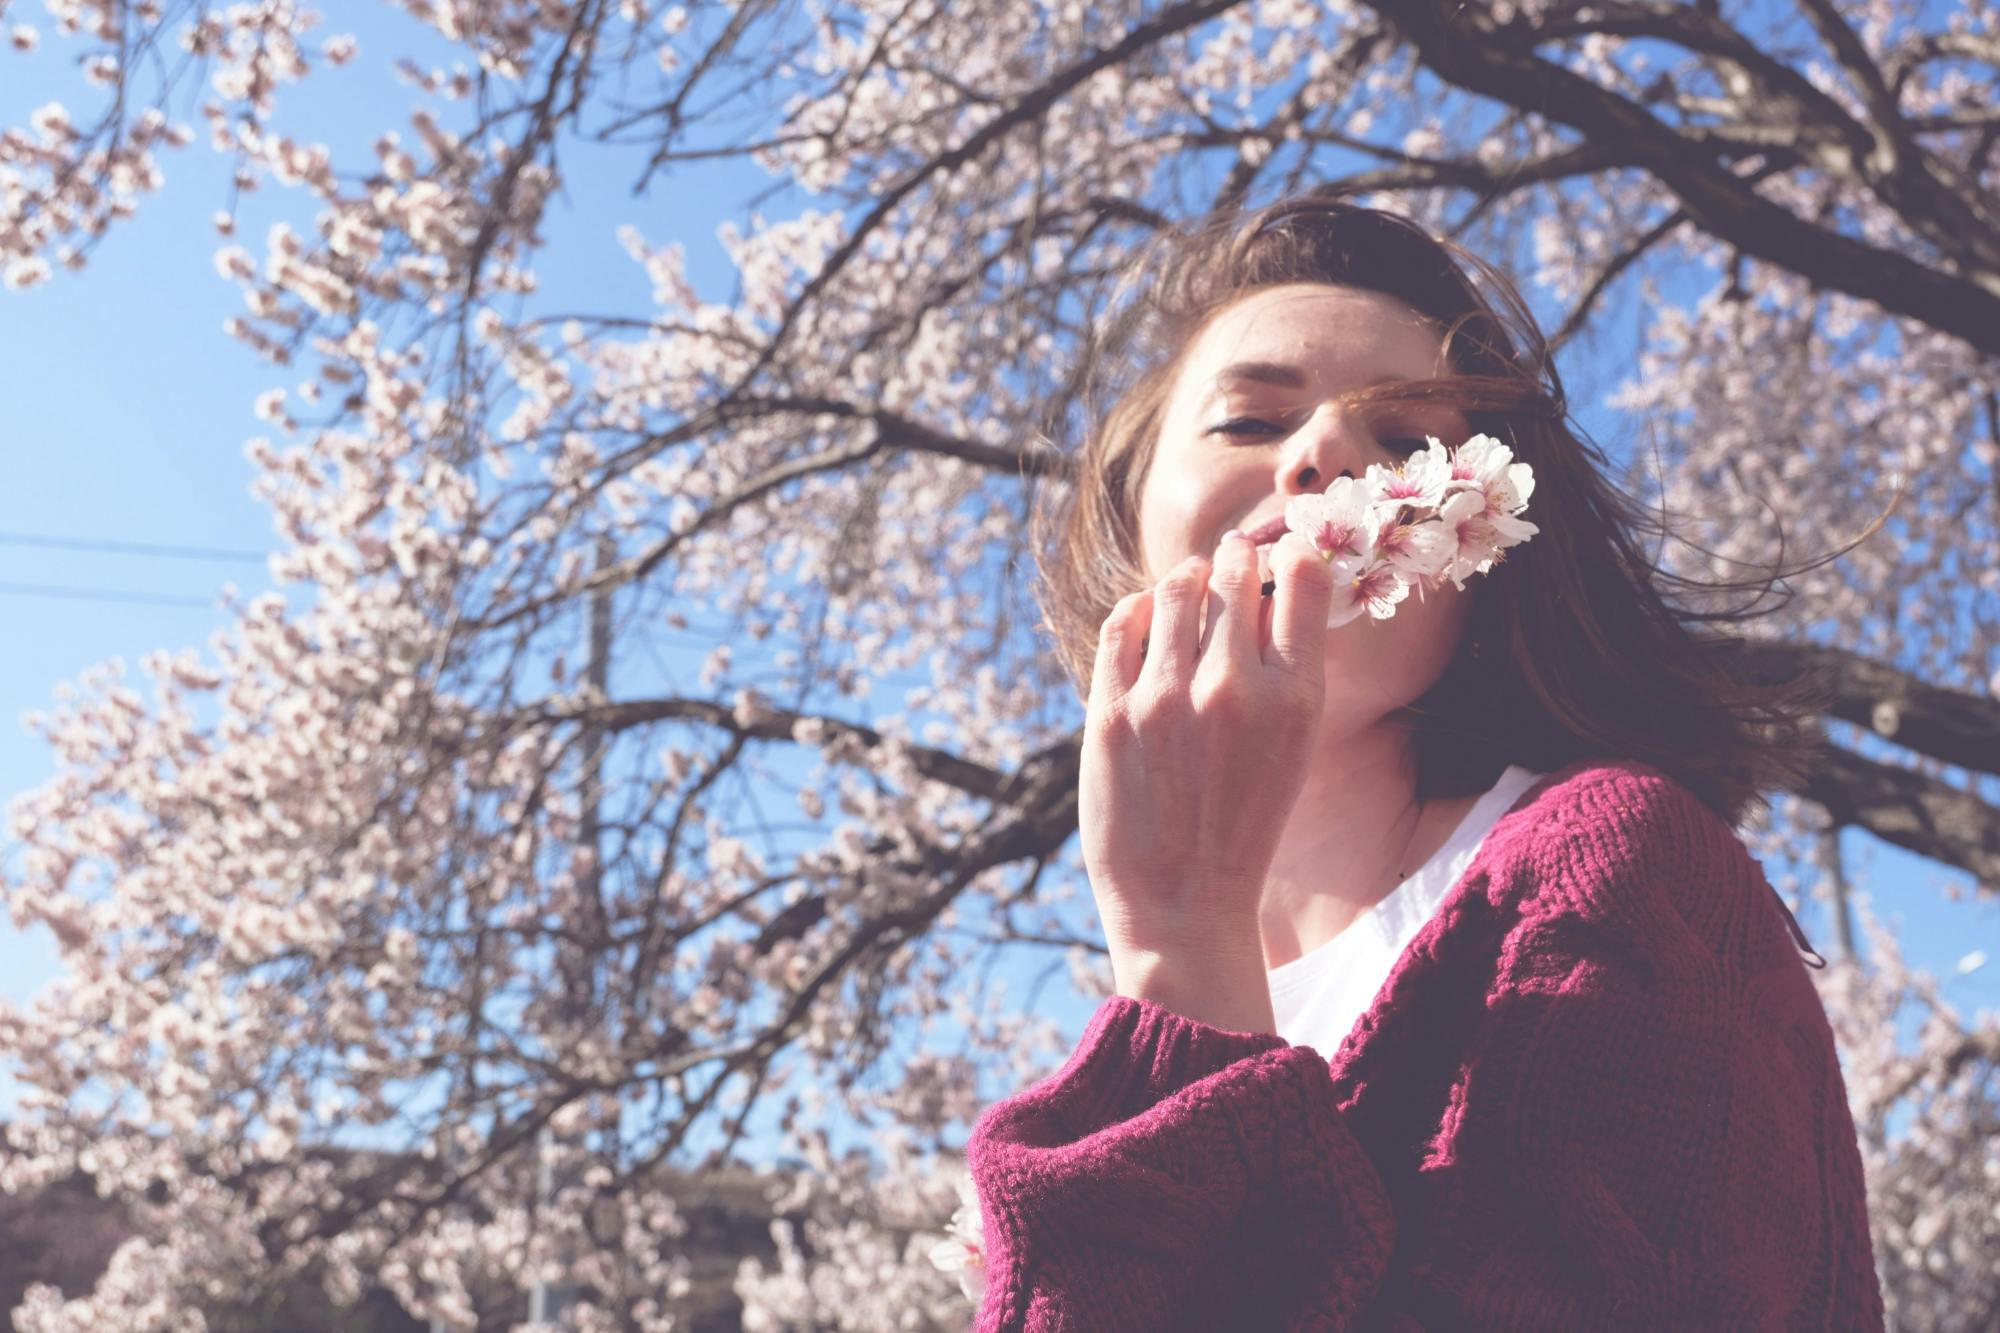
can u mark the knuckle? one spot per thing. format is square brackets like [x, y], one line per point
[1112, 730]
[1166, 703]
[1226, 698]
[1120, 613]
[1233, 577]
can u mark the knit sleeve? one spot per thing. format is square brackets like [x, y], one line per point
[1635, 1120]
[1174, 1175]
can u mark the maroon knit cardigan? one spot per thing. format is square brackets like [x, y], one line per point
[1597, 1091]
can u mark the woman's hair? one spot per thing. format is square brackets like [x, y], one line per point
[1572, 648]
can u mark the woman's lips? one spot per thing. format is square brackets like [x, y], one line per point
[1266, 533]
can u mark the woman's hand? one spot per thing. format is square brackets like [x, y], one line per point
[1195, 748]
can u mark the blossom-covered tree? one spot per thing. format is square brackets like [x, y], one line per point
[406, 852]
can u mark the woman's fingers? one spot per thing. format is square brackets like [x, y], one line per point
[1175, 638]
[1159, 634]
[1234, 604]
[1299, 606]
[1121, 644]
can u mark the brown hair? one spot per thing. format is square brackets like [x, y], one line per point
[1572, 648]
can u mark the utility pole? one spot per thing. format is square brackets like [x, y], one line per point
[1836, 888]
[576, 960]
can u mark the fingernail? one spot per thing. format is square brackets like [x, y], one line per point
[1236, 532]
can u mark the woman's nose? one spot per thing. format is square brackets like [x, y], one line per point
[1327, 446]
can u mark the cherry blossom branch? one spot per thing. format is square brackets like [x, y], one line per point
[1174, 19]
[893, 433]
[1941, 1067]
[769, 722]
[1043, 818]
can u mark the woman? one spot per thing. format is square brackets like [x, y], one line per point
[1482, 851]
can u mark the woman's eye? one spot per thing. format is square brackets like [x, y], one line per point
[1245, 425]
[1402, 444]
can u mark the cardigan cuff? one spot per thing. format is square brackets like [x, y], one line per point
[1170, 1142]
[1135, 1054]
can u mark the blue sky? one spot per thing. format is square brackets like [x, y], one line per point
[128, 409]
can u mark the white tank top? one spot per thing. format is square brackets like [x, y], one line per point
[1317, 996]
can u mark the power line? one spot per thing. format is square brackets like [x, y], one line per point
[128, 548]
[101, 595]
[101, 546]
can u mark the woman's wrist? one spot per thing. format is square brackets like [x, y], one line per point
[1221, 983]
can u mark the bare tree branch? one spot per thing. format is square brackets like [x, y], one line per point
[1955, 727]
[1465, 48]
[1911, 810]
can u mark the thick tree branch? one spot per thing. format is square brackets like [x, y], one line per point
[1909, 809]
[1464, 49]
[1958, 728]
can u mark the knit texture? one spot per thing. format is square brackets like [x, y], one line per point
[1597, 1091]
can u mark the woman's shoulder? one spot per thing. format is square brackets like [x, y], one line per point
[1613, 793]
[1618, 837]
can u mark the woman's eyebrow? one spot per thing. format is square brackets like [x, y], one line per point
[1284, 376]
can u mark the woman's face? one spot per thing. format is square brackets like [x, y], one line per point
[1254, 419]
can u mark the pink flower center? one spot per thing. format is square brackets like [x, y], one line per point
[1334, 538]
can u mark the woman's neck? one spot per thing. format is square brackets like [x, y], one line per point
[1356, 832]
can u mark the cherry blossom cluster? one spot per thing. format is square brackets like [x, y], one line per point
[962, 1253]
[851, 1238]
[1439, 514]
[68, 178]
[59, 190]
